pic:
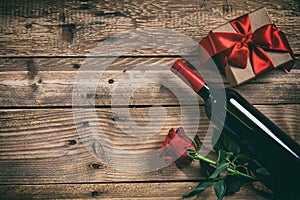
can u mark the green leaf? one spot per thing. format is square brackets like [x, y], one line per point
[220, 189]
[223, 157]
[262, 171]
[233, 184]
[253, 166]
[206, 168]
[200, 188]
[241, 159]
[230, 145]
[219, 170]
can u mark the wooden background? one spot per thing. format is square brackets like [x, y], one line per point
[43, 45]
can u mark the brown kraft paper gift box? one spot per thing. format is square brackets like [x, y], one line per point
[236, 75]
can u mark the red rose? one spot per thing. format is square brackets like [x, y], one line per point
[176, 145]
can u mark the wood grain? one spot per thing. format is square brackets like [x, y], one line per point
[81, 63]
[43, 48]
[43, 146]
[70, 28]
[35, 146]
[128, 81]
[151, 191]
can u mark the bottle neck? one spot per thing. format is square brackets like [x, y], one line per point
[191, 78]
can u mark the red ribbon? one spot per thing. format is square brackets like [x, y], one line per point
[238, 47]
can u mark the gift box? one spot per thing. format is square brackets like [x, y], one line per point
[248, 46]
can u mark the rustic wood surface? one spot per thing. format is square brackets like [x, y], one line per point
[44, 45]
[151, 191]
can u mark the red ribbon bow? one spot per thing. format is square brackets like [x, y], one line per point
[238, 47]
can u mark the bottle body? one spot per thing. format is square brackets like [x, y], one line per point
[261, 139]
[252, 130]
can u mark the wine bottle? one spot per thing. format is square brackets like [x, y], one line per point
[249, 128]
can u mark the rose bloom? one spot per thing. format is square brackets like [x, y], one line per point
[175, 147]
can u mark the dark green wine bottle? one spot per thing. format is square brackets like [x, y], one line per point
[252, 130]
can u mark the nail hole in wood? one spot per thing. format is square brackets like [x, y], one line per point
[111, 81]
[96, 193]
[72, 142]
[40, 80]
[96, 166]
[76, 66]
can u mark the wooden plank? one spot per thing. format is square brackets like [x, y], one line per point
[50, 82]
[149, 191]
[42, 145]
[67, 64]
[33, 151]
[60, 28]
[80, 63]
